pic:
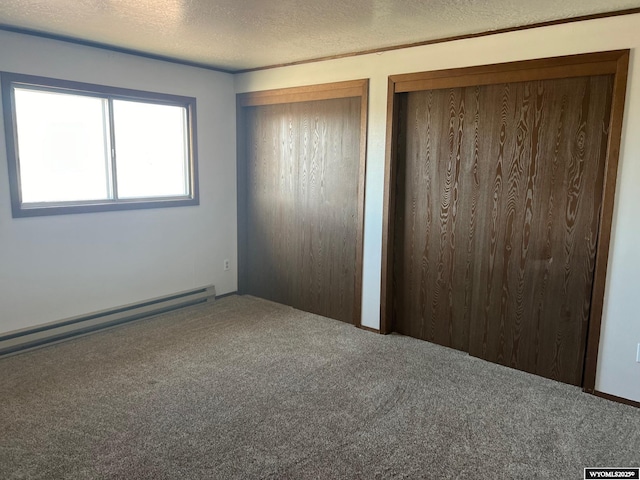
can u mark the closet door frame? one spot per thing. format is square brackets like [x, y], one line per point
[602, 63]
[327, 91]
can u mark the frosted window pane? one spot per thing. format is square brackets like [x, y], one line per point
[151, 159]
[63, 144]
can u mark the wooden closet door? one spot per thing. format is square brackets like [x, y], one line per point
[302, 178]
[497, 216]
[438, 183]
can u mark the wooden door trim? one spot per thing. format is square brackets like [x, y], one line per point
[606, 219]
[241, 198]
[307, 93]
[602, 63]
[582, 65]
[388, 211]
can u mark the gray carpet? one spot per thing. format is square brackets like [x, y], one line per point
[245, 388]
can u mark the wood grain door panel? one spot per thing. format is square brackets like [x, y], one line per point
[496, 221]
[302, 180]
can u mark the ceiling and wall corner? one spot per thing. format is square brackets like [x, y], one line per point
[234, 35]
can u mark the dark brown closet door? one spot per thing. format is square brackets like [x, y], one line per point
[498, 204]
[302, 179]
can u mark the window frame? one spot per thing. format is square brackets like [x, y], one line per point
[8, 82]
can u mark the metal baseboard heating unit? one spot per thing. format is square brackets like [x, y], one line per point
[28, 338]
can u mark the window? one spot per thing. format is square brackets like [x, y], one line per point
[75, 147]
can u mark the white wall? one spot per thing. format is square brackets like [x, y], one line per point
[55, 267]
[618, 373]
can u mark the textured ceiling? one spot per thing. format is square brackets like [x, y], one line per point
[243, 34]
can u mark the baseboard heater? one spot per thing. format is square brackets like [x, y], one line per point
[28, 338]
